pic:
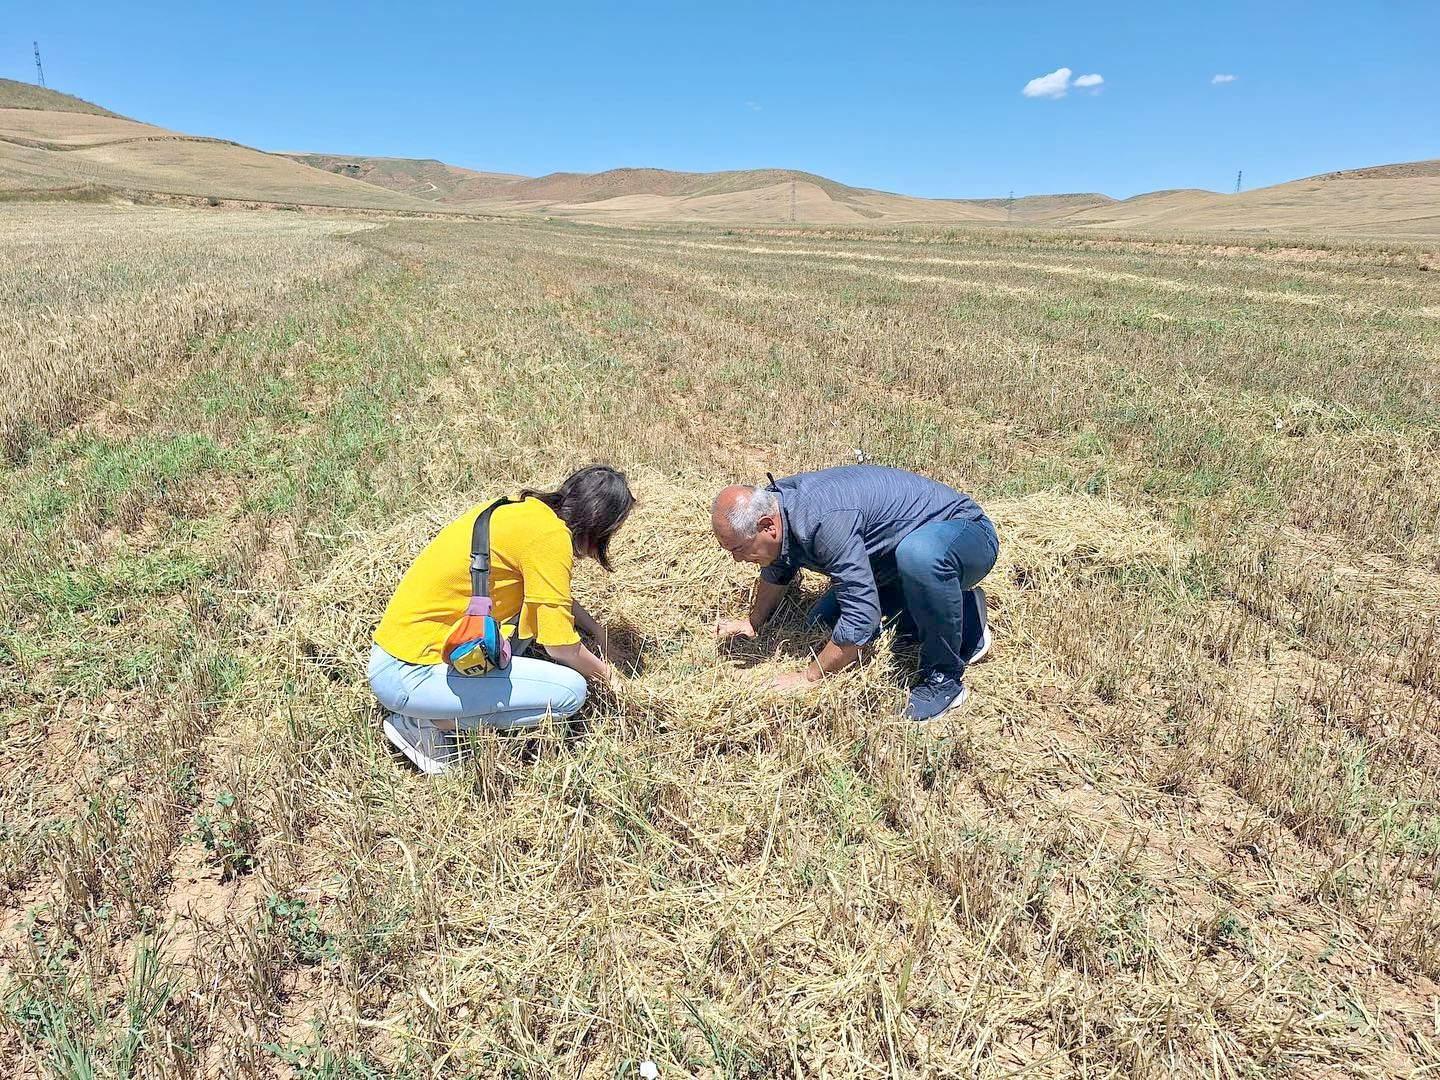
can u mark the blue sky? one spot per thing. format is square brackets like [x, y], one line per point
[922, 98]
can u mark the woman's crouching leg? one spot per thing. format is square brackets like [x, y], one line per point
[538, 688]
[520, 696]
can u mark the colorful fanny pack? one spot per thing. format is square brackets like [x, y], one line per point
[478, 644]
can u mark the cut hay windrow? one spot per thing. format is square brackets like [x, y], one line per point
[679, 841]
[1188, 824]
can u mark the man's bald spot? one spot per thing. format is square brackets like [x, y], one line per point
[722, 510]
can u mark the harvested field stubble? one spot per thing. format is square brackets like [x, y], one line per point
[1187, 827]
[91, 296]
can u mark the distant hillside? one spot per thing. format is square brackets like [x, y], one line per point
[751, 196]
[1407, 170]
[1401, 200]
[19, 95]
[662, 193]
[565, 187]
[420, 178]
[1139, 208]
[1037, 208]
[51, 141]
[48, 150]
[800, 202]
[747, 196]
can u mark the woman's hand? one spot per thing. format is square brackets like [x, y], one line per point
[601, 642]
[592, 628]
[581, 659]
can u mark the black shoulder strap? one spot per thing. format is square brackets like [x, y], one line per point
[480, 549]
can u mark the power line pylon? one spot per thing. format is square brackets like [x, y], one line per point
[1238, 175]
[39, 68]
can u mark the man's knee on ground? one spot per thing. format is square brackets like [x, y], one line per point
[824, 612]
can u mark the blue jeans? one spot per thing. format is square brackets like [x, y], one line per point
[931, 596]
[826, 611]
[520, 696]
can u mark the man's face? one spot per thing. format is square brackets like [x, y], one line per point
[762, 549]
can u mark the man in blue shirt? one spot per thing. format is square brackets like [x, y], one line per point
[895, 546]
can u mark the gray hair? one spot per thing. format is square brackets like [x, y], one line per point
[753, 504]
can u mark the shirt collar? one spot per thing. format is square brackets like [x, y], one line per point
[783, 558]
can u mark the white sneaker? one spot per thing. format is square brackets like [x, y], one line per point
[431, 750]
[986, 640]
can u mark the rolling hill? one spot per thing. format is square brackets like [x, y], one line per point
[54, 142]
[743, 195]
[1388, 200]
[51, 141]
[422, 178]
[1034, 209]
[1393, 200]
[19, 95]
[1400, 200]
[752, 196]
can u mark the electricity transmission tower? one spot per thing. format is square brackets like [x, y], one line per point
[1010, 208]
[792, 201]
[39, 69]
[1238, 175]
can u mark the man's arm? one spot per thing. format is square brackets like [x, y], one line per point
[841, 551]
[830, 659]
[767, 598]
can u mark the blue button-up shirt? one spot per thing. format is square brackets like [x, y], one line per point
[847, 522]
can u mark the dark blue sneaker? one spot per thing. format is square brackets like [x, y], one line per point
[936, 693]
[987, 641]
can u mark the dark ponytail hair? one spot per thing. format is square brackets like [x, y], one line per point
[592, 502]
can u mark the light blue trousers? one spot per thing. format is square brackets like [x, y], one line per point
[520, 696]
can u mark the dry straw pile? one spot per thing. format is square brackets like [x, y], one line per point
[705, 874]
[1188, 826]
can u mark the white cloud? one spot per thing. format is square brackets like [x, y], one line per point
[1053, 85]
[754, 106]
[1057, 84]
[1218, 79]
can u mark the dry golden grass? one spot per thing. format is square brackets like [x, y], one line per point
[1187, 827]
[1398, 200]
[804, 202]
[65, 130]
[45, 150]
[424, 178]
[70, 144]
[24, 95]
[92, 296]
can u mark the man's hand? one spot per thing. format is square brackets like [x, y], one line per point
[733, 628]
[793, 682]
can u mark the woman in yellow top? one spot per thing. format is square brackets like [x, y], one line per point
[533, 547]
